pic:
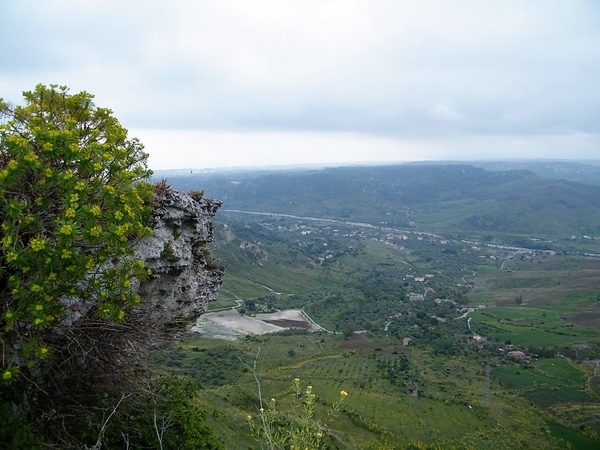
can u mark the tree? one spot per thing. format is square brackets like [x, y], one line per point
[348, 330]
[73, 196]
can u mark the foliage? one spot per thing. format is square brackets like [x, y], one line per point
[165, 415]
[72, 198]
[16, 432]
[446, 198]
[297, 429]
[442, 391]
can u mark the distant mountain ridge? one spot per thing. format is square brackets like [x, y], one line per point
[433, 197]
[587, 172]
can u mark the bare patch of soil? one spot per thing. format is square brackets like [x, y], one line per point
[362, 346]
[231, 324]
[590, 319]
[301, 324]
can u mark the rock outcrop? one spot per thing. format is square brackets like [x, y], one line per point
[185, 276]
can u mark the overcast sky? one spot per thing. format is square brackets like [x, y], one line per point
[207, 83]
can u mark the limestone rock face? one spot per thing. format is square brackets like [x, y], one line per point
[185, 276]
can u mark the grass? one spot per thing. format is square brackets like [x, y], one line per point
[377, 408]
[577, 440]
[561, 368]
[515, 377]
[539, 325]
[547, 397]
[570, 281]
[444, 398]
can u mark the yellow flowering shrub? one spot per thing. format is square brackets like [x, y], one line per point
[69, 176]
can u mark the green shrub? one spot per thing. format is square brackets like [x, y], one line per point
[72, 198]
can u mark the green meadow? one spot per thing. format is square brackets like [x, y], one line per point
[444, 390]
[394, 395]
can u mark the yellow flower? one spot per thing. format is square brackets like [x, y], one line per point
[68, 174]
[248, 417]
[12, 164]
[48, 173]
[8, 315]
[66, 230]
[38, 321]
[70, 213]
[43, 351]
[95, 210]
[74, 198]
[7, 375]
[36, 288]
[96, 231]
[11, 256]
[37, 244]
[30, 157]
[80, 186]
[118, 215]
[343, 394]
[121, 314]
[66, 254]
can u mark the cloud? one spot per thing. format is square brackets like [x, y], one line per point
[397, 70]
[197, 149]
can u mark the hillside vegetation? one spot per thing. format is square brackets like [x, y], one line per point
[446, 330]
[449, 199]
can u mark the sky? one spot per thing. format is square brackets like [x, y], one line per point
[208, 84]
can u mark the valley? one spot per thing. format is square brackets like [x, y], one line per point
[443, 336]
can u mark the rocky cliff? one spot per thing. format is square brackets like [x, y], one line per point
[185, 276]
